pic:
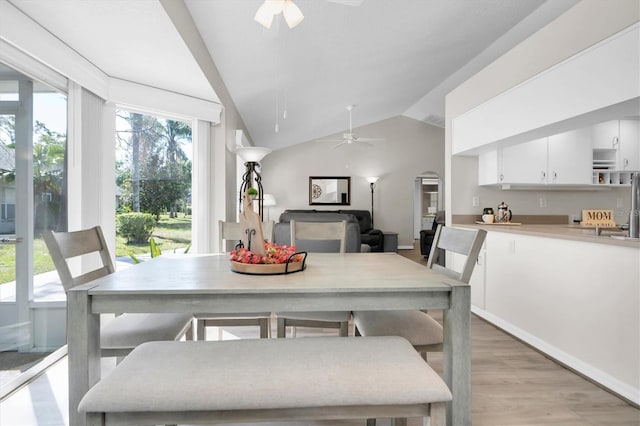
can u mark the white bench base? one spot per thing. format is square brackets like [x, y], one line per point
[325, 378]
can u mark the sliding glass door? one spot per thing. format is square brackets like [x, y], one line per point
[32, 198]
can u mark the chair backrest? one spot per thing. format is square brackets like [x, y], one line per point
[319, 231]
[67, 245]
[231, 231]
[467, 242]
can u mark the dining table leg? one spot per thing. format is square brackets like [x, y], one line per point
[457, 355]
[83, 340]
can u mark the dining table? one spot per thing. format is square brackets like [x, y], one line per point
[191, 283]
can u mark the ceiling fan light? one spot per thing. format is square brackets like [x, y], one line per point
[292, 13]
[264, 15]
[276, 6]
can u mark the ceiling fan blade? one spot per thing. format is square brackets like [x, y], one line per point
[329, 140]
[340, 144]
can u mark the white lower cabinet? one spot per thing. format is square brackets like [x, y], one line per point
[578, 302]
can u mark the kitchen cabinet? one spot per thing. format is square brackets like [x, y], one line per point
[562, 159]
[616, 144]
[605, 135]
[525, 162]
[545, 291]
[629, 145]
[570, 157]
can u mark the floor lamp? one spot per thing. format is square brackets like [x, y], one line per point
[372, 184]
[251, 155]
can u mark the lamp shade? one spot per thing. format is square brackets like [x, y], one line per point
[269, 200]
[372, 179]
[252, 154]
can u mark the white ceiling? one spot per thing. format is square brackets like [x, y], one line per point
[388, 57]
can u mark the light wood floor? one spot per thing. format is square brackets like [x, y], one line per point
[512, 384]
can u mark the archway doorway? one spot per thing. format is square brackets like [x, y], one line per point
[428, 198]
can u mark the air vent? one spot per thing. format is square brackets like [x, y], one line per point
[435, 120]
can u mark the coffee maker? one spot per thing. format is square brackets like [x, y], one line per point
[504, 214]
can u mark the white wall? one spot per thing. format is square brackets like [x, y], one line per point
[582, 26]
[410, 148]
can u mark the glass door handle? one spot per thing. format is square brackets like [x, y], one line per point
[5, 240]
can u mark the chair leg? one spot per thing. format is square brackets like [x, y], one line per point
[282, 329]
[188, 335]
[200, 325]
[264, 328]
[344, 329]
[437, 414]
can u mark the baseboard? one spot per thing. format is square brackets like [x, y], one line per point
[591, 373]
[405, 247]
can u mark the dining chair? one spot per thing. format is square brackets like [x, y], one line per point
[316, 231]
[128, 330]
[230, 231]
[424, 332]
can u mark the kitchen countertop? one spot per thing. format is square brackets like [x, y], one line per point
[563, 232]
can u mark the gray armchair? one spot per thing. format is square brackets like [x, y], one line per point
[368, 235]
[426, 235]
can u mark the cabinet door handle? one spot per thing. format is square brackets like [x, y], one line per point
[543, 175]
[626, 163]
[615, 141]
[501, 177]
[555, 175]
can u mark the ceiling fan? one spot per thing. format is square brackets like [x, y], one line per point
[292, 13]
[350, 137]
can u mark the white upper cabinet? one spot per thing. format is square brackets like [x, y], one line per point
[605, 135]
[489, 167]
[629, 146]
[570, 158]
[525, 162]
[618, 140]
[562, 159]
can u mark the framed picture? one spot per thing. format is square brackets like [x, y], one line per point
[330, 190]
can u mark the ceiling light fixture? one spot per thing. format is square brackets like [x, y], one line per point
[270, 8]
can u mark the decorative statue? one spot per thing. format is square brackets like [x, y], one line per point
[251, 225]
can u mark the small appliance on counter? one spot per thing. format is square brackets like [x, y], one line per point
[504, 214]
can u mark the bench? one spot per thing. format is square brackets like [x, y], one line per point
[320, 378]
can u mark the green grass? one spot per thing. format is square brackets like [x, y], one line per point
[169, 235]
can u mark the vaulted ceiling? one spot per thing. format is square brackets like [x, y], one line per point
[389, 58]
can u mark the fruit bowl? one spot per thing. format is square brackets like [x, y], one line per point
[276, 260]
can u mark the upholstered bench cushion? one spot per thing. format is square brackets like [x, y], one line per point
[130, 330]
[331, 316]
[415, 326]
[267, 374]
